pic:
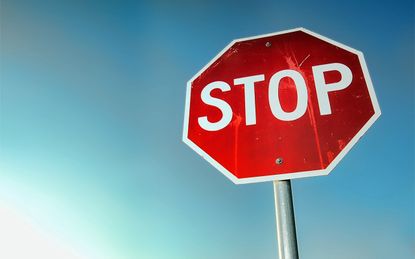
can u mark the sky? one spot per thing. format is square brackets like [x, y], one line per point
[92, 164]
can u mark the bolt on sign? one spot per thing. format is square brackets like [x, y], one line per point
[279, 106]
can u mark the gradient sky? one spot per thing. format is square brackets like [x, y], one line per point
[91, 113]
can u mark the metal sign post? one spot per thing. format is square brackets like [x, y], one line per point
[284, 211]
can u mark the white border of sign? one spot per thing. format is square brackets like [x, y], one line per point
[325, 171]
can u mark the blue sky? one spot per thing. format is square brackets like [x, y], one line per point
[91, 112]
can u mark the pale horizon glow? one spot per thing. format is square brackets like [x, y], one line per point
[21, 239]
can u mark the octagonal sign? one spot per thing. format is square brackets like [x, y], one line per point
[279, 106]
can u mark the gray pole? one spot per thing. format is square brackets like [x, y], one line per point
[284, 211]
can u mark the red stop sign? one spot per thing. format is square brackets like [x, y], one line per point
[279, 106]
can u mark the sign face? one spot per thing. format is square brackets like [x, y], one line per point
[279, 106]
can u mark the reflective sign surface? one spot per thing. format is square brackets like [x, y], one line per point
[279, 106]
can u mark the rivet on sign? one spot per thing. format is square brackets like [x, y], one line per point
[268, 44]
[279, 161]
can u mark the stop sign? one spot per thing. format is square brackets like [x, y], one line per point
[279, 106]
